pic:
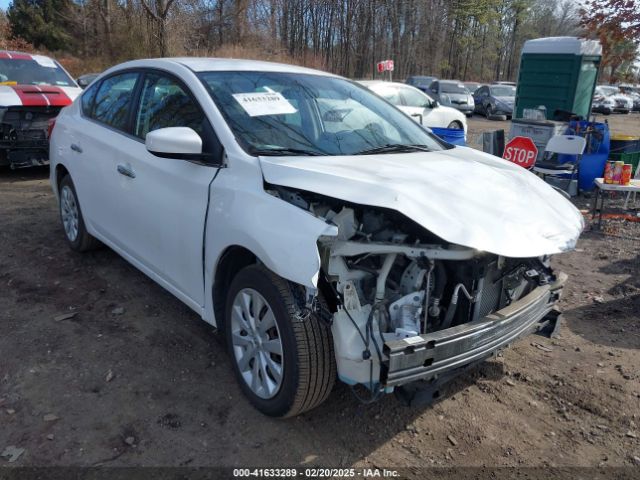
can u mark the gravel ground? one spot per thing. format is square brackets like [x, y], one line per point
[100, 366]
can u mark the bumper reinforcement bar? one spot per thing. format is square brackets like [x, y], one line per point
[431, 355]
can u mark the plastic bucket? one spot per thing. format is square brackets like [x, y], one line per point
[452, 135]
[624, 144]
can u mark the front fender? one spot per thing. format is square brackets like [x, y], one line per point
[283, 237]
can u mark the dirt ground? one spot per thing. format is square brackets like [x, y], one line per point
[136, 378]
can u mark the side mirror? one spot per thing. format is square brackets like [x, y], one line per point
[181, 143]
[435, 104]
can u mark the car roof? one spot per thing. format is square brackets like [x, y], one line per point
[370, 83]
[207, 64]
[15, 55]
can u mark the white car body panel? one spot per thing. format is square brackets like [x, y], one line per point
[439, 117]
[8, 96]
[464, 196]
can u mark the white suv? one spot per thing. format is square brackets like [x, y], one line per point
[320, 228]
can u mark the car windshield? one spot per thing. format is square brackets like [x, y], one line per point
[279, 113]
[503, 91]
[453, 88]
[40, 71]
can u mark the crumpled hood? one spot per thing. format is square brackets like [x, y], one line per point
[464, 196]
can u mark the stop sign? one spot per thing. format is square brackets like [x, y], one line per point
[521, 151]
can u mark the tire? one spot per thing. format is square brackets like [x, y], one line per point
[302, 375]
[455, 125]
[488, 110]
[71, 218]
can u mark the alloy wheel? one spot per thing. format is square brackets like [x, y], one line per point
[69, 213]
[257, 344]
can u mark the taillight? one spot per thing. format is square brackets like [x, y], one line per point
[52, 123]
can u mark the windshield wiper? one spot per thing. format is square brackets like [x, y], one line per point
[395, 148]
[286, 151]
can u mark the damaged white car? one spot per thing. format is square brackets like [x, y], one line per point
[320, 228]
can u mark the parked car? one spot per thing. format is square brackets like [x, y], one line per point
[608, 99]
[635, 97]
[472, 86]
[633, 93]
[504, 82]
[421, 82]
[418, 105]
[493, 100]
[33, 89]
[454, 94]
[318, 227]
[83, 81]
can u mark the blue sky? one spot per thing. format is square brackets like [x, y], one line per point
[4, 4]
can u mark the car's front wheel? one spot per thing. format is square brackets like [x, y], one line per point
[488, 110]
[283, 361]
[75, 231]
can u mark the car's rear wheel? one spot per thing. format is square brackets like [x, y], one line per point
[455, 125]
[284, 362]
[75, 231]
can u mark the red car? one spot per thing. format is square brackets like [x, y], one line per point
[33, 89]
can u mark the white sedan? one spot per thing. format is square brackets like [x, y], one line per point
[320, 229]
[418, 105]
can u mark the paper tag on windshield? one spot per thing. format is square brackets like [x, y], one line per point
[44, 61]
[264, 103]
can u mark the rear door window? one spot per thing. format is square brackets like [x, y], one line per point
[389, 93]
[413, 98]
[113, 100]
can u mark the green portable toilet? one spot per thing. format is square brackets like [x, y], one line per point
[559, 73]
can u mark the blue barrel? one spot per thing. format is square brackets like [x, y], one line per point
[454, 136]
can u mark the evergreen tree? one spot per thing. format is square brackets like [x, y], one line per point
[40, 22]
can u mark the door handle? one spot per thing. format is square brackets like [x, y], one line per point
[76, 148]
[126, 171]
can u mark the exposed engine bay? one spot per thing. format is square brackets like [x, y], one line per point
[394, 290]
[23, 135]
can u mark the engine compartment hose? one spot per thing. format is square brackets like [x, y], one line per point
[381, 282]
[451, 310]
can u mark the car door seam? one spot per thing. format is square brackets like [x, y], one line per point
[204, 232]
